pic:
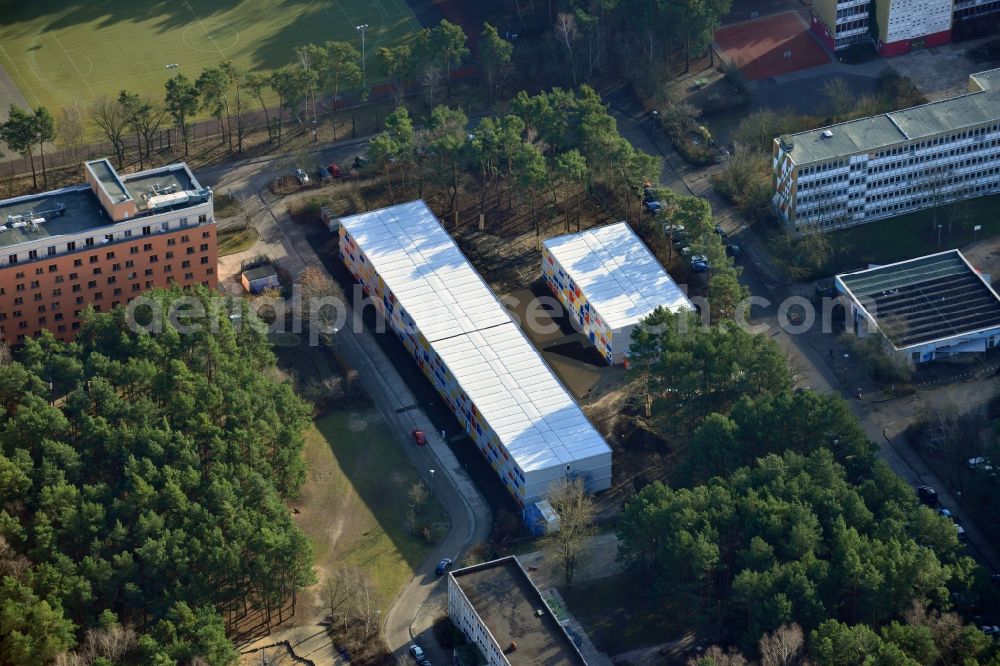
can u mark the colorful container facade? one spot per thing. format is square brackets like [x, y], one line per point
[608, 281]
[521, 418]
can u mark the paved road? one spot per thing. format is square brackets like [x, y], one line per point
[470, 516]
[884, 422]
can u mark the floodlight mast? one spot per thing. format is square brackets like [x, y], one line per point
[364, 67]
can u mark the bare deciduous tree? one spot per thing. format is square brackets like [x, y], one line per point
[782, 647]
[110, 117]
[716, 656]
[576, 512]
[566, 33]
[839, 95]
[71, 129]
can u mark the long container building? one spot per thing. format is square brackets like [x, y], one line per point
[475, 355]
[609, 282]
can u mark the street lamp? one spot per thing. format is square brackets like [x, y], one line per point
[939, 234]
[364, 68]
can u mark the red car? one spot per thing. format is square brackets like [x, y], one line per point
[335, 170]
[419, 438]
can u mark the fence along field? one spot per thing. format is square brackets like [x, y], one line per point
[59, 52]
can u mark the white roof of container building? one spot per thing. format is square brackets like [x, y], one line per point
[617, 274]
[535, 418]
[423, 267]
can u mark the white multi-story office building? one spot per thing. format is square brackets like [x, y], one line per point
[894, 163]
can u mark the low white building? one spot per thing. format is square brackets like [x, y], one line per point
[501, 611]
[928, 308]
[522, 419]
[609, 282]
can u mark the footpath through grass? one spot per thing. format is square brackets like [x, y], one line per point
[353, 505]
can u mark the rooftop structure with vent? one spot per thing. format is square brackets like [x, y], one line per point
[500, 610]
[887, 165]
[927, 308]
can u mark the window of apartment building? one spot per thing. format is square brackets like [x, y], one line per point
[116, 268]
[204, 260]
[171, 242]
[185, 238]
[41, 308]
[77, 262]
[154, 258]
[50, 250]
[128, 233]
[149, 284]
[170, 255]
[145, 231]
[147, 247]
[22, 324]
[61, 328]
[168, 268]
[190, 250]
[57, 292]
[109, 255]
[12, 259]
[203, 247]
[205, 234]
[136, 287]
[71, 246]
[32, 255]
[54, 306]
[129, 263]
[164, 226]
[118, 291]
[97, 271]
[19, 275]
[72, 276]
[19, 287]
[92, 284]
[131, 275]
[38, 297]
[134, 249]
[19, 300]
[210, 271]
[112, 279]
[148, 272]
[98, 296]
[34, 284]
[76, 288]
[3, 315]
[189, 276]
[53, 268]
[15, 314]
[185, 264]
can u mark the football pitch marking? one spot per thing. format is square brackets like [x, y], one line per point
[235, 35]
[17, 71]
[83, 78]
[207, 33]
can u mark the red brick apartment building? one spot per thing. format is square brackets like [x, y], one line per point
[101, 243]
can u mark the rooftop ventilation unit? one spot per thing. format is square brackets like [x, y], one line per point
[787, 143]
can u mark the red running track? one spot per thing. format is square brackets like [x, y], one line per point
[758, 47]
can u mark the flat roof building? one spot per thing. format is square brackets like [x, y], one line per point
[500, 610]
[927, 308]
[887, 165]
[101, 244]
[609, 282]
[521, 417]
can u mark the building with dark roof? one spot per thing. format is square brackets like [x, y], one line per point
[927, 308]
[500, 610]
[894, 163]
[101, 243]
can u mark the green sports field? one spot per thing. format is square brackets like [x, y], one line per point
[61, 51]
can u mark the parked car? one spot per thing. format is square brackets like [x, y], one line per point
[360, 162]
[302, 176]
[424, 662]
[676, 232]
[699, 264]
[334, 169]
[417, 653]
[944, 513]
[323, 174]
[443, 566]
[990, 629]
[734, 250]
[927, 495]
[979, 462]
[648, 194]
[719, 230]
[961, 532]
[825, 289]
[653, 206]
[995, 579]
[418, 437]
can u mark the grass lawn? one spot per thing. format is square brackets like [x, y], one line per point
[912, 235]
[352, 507]
[619, 616]
[60, 51]
[232, 241]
